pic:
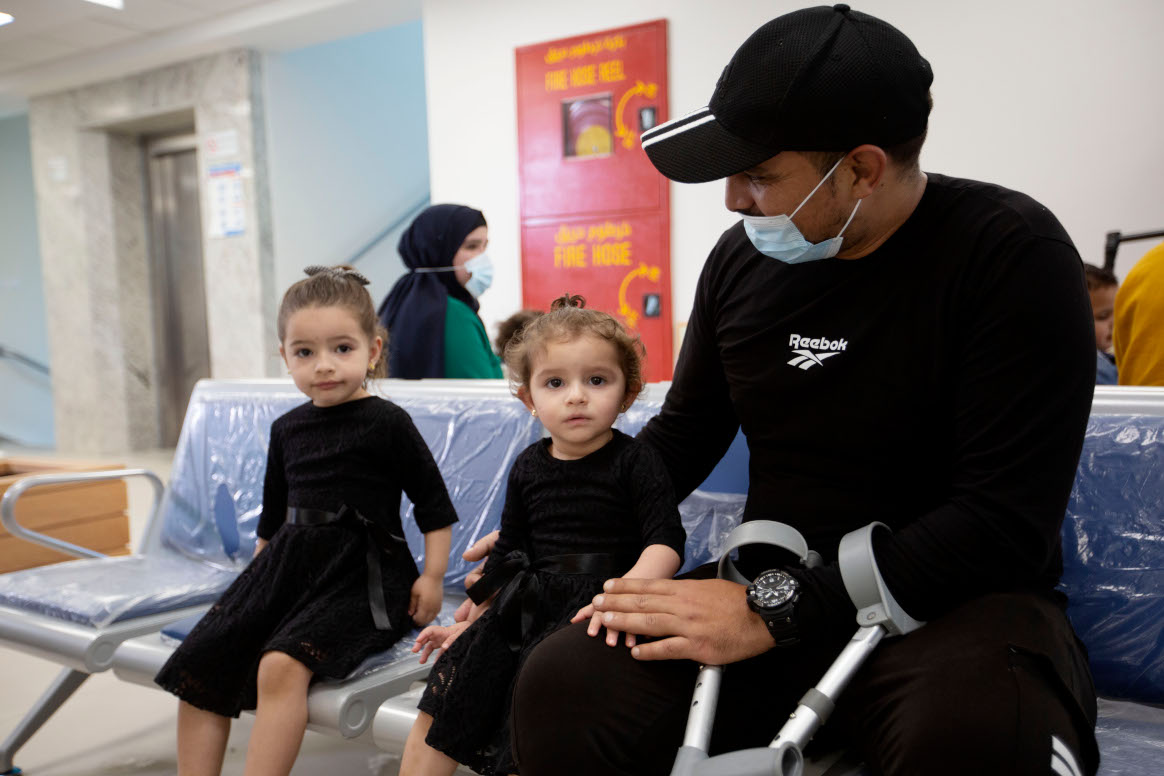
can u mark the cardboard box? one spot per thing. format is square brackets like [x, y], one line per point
[90, 514]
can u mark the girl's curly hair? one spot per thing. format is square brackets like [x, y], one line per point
[567, 319]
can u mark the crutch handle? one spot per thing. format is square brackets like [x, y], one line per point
[863, 582]
[767, 532]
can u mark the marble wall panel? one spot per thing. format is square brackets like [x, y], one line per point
[90, 183]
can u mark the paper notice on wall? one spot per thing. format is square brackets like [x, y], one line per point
[227, 202]
[219, 144]
[58, 169]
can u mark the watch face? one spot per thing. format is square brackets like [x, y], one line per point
[773, 589]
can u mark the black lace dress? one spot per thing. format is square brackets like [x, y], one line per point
[567, 527]
[308, 593]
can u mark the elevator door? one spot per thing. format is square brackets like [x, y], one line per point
[179, 290]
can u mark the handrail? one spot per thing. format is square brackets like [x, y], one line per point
[408, 215]
[1112, 244]
[26, 360]
[8, 505]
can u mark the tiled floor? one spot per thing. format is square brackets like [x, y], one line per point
[112, 727]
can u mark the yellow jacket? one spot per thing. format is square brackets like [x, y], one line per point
[1139, 322]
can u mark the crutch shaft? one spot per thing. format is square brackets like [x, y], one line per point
[703, 703]
[816, 706]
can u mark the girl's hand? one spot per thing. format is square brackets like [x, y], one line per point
[260, 545]
[425, 602]
[436, 637]
[595, 617]
[478, 550]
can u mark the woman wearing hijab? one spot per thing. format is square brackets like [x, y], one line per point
[431, 312]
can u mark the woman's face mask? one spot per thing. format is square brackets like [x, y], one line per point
[480, 269]
[778, 238]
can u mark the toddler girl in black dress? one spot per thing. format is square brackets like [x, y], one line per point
[585, 505]
[332, 580]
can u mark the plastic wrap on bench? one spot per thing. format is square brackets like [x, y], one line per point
[708, 518]
[214, 505]
[1131, 738]
[474, 441]
[222, 453]
[103, 591]
[1113, 549]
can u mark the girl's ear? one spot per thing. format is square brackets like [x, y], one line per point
[632, 392]
[523, 394]
[376, 349]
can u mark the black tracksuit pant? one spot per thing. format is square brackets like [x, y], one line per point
[999, 685]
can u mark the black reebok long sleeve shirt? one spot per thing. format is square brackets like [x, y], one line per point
[941, 385]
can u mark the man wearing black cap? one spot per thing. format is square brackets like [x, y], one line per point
[874, 331]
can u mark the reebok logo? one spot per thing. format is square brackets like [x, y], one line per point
[812, 351]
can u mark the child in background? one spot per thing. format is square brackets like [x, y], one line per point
[1102, 285]
[511, 326]
[332, 580]
[585, 505]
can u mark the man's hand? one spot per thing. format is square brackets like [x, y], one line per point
[260, 545]
[426, 599]
[437, 637]
[705, 620]
[478, 550]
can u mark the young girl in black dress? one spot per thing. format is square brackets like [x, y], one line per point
[585, 505]
[332, 580]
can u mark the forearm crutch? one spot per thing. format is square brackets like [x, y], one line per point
[878, 615]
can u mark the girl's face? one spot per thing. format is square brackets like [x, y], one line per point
[328, 354]
[474, 245]
[578, 389]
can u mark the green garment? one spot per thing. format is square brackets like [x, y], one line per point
[467, 350]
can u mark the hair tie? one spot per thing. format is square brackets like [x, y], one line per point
[340, 273]
[566, 301]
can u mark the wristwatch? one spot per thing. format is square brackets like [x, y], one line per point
[772, 595]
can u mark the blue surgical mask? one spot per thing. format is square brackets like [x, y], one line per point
[778, 238]
[480, 269]
[480, 274]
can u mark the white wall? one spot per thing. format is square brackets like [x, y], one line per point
[1061, 99]
[348, 150]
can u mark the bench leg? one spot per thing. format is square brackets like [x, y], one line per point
[66, 683]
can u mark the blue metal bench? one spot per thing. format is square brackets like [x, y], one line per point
[91, 615]
[1113, 543]
[80, 614]
[1113, 573]
[474, 430]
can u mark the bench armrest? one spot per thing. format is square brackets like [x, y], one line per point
[17, 489]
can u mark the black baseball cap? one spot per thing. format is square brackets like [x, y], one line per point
[817, 79]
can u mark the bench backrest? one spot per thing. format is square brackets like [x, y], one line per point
[1113, 531]
[216, 484]
[1113, 544]
[475, 429]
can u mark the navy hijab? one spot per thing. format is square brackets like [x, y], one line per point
[414, 310]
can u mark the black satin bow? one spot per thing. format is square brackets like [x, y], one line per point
[379, 540]
[518, 587]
